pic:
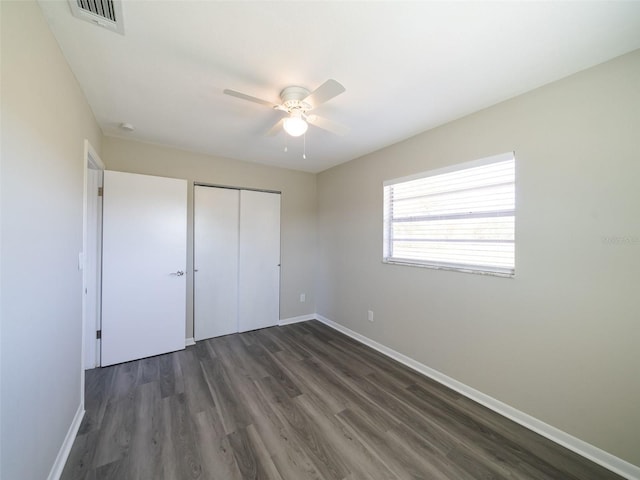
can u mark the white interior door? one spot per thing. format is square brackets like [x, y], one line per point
[259, 266]
[216, 243]
[144, 257]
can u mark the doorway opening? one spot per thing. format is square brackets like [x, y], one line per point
[91, 257]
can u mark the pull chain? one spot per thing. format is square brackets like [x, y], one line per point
[286, 141]
[304, 143]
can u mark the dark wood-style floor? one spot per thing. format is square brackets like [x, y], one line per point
[297, 402]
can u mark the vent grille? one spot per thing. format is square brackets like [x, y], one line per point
[102, 8]
[104, 13]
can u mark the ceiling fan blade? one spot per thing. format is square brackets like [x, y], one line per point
[324, 93]
[243, 96]
[327, 125]
[276, 128]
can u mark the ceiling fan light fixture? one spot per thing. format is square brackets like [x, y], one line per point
[295, 125]
[297, 102]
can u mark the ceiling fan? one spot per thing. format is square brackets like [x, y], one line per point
[297, 102]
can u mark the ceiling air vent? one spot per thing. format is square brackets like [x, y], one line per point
[105, 13]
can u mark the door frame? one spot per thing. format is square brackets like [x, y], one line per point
[90, 263]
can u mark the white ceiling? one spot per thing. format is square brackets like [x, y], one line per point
[406, 66]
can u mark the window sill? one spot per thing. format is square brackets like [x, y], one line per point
[449, 268]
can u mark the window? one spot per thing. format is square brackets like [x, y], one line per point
[459, 218]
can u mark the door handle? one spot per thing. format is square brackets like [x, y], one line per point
[179, 273]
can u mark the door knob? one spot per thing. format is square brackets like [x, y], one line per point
[179, 273]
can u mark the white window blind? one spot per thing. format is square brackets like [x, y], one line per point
[461, 218]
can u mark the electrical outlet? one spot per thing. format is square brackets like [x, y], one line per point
[303, 297]
[370, 315]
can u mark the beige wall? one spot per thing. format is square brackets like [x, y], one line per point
[298, 222]
[45, 119]
[561, 340]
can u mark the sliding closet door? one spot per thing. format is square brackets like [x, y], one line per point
[216, 244]
[143, 275]
[259, 269]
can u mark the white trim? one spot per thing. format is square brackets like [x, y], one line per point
[91, 154]
[435, 266]
[65, 448]
[189, 341]
[301, 318]
[591, 452]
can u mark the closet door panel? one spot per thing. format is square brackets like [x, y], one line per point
[216, 245]
[259, 260]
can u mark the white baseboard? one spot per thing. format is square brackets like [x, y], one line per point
[189, 341]
[65, 449]
[301, 318]
[595, 454]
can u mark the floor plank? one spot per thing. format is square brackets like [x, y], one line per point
[297, 402]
